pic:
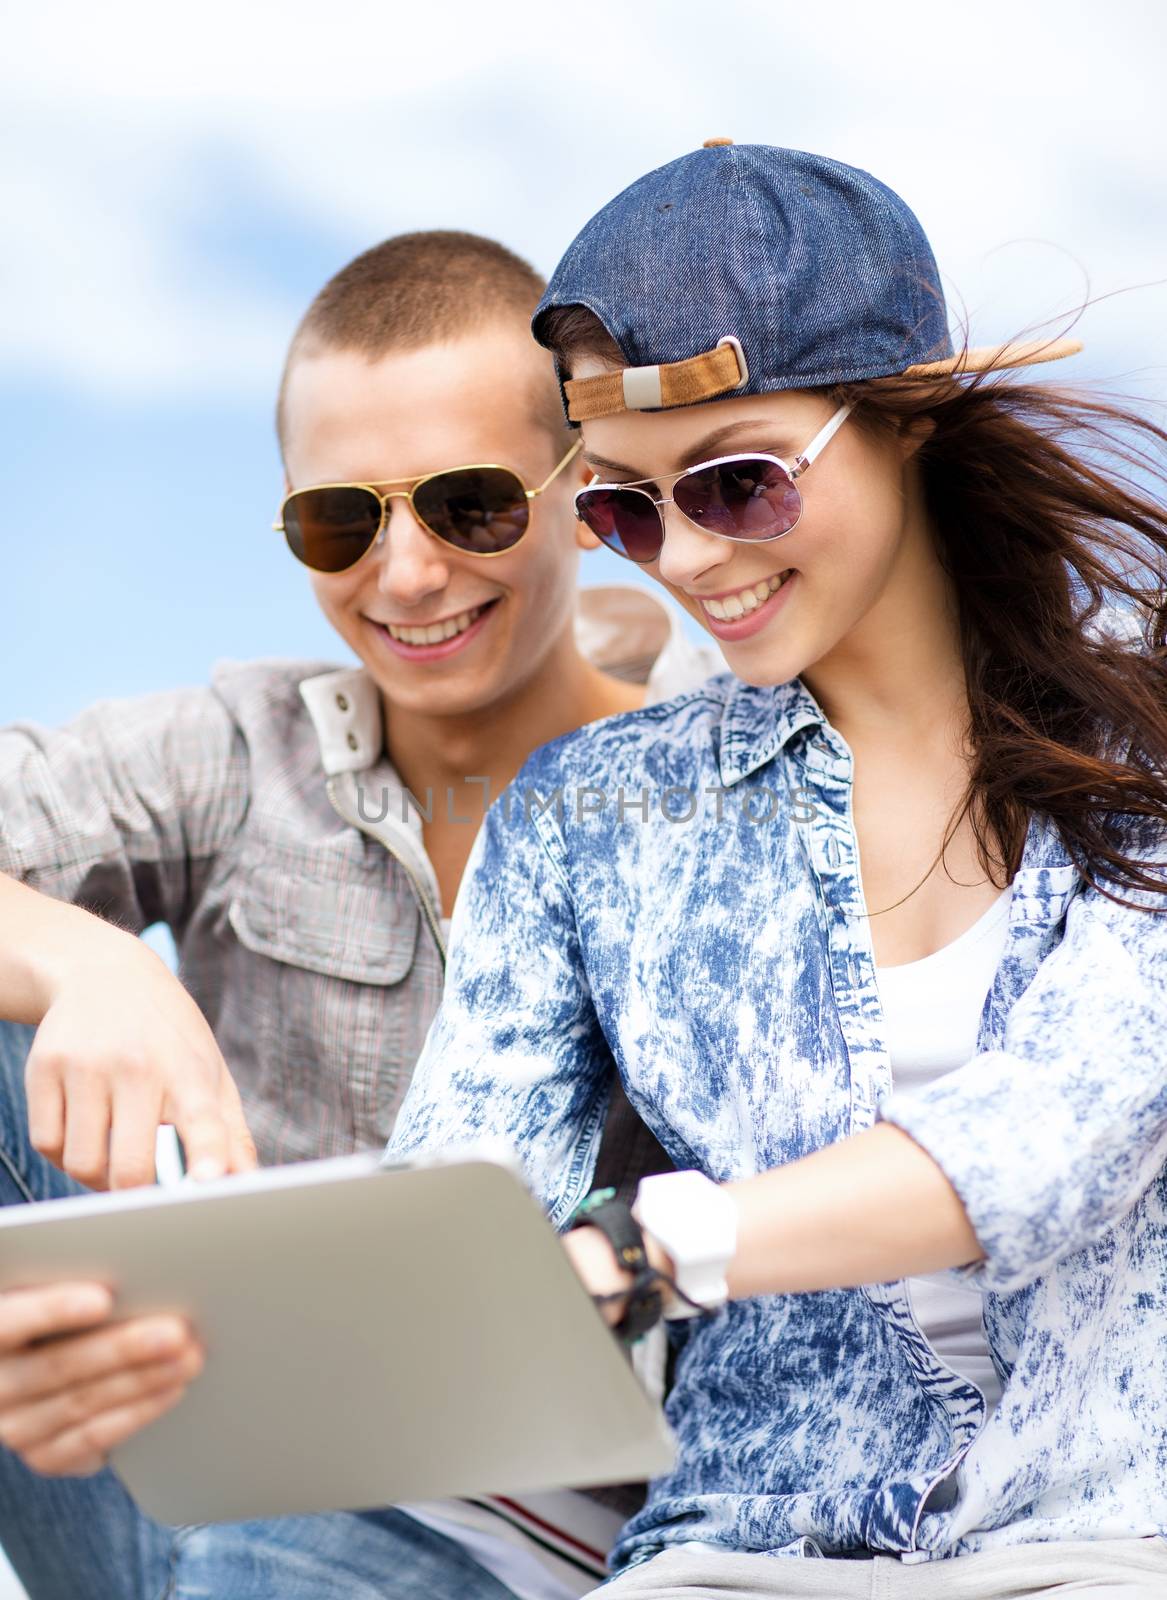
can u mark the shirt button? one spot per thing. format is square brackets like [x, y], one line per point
[342, 702]
[353, 741]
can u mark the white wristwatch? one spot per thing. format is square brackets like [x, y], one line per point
[696, 1222]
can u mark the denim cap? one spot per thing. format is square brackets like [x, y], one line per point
[748, 269]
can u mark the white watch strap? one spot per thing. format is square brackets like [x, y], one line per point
[695, 1220]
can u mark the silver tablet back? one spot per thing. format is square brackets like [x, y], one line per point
[372, 1336]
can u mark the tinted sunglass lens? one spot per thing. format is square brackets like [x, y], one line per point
[746, 498]
[626, 520]
[330, 529]
[483, 510]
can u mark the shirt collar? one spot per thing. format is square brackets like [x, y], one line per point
[345, 707]
[756, 726]
[758, 723]
[1044, 848]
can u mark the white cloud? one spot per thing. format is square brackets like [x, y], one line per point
[1028, 138]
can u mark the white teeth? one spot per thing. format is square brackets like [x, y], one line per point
[436, 632]
[732, 606]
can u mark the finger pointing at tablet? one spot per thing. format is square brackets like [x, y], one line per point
[73, 1386]
[120, 1049]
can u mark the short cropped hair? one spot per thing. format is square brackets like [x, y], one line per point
[417, 289]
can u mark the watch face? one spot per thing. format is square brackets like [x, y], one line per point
[692, 1217]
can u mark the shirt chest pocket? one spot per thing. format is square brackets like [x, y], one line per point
[355, 929]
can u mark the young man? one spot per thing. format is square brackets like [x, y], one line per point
[302, 830]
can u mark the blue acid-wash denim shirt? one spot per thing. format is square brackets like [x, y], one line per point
[724, 963]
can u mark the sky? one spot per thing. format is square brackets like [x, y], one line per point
[176, 186]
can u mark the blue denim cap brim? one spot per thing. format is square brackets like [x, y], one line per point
[821, 271]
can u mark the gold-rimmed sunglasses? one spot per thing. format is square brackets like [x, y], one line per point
[480, 510]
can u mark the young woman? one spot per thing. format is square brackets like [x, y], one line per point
[873, 929]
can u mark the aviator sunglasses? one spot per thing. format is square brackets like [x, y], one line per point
[748, 498]
[479, 510]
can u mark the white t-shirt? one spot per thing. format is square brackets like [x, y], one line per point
[932, 1011]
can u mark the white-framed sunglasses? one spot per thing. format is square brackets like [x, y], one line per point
[749, 498]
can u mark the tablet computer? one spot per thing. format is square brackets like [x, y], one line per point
[373, 1335]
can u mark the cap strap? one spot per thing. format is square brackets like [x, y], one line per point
[675, 383]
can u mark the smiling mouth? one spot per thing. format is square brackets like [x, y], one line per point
[732, 606]
[436, 632]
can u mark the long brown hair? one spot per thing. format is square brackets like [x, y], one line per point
[1050, 518]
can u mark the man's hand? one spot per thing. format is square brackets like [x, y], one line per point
[73, 1385]
[123, 1049]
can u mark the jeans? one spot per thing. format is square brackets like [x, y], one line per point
[85, 1539]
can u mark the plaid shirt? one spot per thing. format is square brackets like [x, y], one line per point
[309, 931]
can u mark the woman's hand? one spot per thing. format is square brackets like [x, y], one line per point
[73, 1385]
[601, 1274]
